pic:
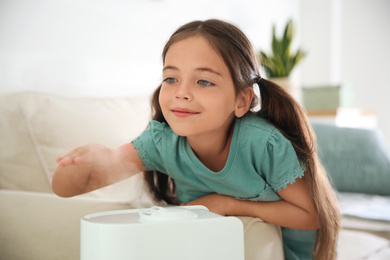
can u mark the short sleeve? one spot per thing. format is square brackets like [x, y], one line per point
[280, 164]
[149, 146]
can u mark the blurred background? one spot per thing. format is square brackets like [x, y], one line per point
[113, 47]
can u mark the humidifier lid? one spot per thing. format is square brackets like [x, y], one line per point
[160, 214]
[154, 214]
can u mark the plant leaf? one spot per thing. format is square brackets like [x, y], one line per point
[275, 43]
[280, 68]
[298, 56]
[268, 64]
[268, 71]
[287, 39]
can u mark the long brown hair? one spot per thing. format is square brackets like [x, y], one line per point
[277, 106]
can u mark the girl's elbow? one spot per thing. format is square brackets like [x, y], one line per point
[315, 222]
[316, 226]
[310, 221]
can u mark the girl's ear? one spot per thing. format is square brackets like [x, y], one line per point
[243, 102]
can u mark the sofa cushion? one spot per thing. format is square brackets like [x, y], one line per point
[59, 124]
[357, 160]
[20, 167]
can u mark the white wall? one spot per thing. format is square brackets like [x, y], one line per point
[348, 42]
[320, 27]
[366, 55]
[110, 47]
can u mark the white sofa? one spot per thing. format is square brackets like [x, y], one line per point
[34, 129]
[36, 224]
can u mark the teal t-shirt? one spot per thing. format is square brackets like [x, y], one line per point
[261, 162]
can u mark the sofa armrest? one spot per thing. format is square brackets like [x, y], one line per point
[262, 240]
[44, 226]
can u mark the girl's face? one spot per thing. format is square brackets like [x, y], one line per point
[197, 96]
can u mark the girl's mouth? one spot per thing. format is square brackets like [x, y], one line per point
[183, 112]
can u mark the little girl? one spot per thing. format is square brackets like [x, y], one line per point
[206, 145]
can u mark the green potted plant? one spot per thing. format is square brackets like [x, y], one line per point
[279, 64]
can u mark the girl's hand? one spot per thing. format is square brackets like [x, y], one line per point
[216, 203]
[93, 154]
[94, 166]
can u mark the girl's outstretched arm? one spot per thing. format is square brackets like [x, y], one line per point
[94, 166]
[296, 210]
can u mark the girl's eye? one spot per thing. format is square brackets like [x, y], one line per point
[205, 83]
[170, 80]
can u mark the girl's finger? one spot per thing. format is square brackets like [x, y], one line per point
[84, 159]
[65, 161]
[71, 155]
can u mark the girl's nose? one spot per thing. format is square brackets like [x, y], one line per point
[183, 92]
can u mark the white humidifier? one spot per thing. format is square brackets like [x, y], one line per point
[174, 233]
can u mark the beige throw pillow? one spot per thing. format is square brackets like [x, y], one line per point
[20, 166]
[59, 124]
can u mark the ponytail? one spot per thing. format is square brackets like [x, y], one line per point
[285, 113]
